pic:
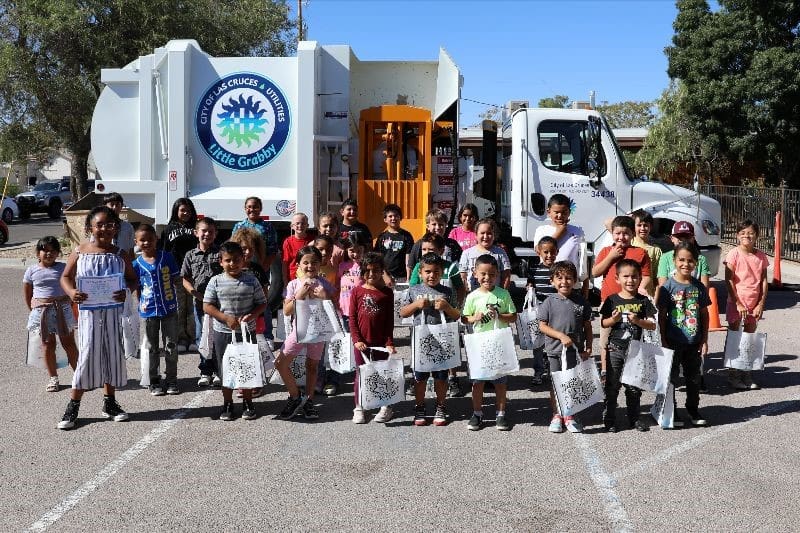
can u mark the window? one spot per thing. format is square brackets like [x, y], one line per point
[563, 148]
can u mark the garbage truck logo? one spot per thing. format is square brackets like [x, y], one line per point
[243, 121]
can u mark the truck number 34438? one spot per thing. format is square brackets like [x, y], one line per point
[602, 194]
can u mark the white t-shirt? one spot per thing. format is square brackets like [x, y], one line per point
[569, 245]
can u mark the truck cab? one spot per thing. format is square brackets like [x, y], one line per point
[574, 152]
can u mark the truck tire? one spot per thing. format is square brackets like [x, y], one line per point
[8, 215]
[54, 210]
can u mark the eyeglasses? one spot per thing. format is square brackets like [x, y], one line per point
[106, 225]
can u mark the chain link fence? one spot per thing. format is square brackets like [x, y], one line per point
[760, 204]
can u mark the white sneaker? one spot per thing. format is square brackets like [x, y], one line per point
[384, 415]
[192, 347]
[573, 426]
[358, 416]
[217, 381]
[204, 381]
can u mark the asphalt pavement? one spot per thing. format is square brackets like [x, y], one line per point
[174, 467]
[32, 229]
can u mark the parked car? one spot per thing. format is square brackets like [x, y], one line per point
[46, 197]
[3, 233]
[10, 210]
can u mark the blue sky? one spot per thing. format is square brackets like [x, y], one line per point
[513, 50]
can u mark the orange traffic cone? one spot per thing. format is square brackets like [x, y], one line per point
[713, 312]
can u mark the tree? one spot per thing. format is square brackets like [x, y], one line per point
[559, 100]
[741, 69]
[51, 53]
[628, 114]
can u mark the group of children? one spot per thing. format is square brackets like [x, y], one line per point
[464, 276]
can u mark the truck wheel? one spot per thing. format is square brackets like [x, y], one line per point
[8, 215]
[54, 211]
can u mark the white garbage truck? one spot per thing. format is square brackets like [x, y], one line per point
[302, 133]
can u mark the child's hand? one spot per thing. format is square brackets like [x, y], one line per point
[421, 303]
[566, 341]
[232, 322]
[391, 349]
[441, 305]
[78, 297]
[319, 292]
[119, 296]
[246, 318]
[305, 289]
[758, 311]
[617, 251]
[603, 377]
[616, 316]
[586, 354]
[477, 317]
[742, 310]
[360, 346]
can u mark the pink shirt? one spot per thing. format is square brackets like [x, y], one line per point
[349, 278]
[748, 275]
[464, 238]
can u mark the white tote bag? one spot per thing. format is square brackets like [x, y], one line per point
[298, 368]
[647, 367]
[144, 363]
[242, 367]
[206, 346]
[491, 354]
[313, 320]
[380, 383]
[745, 351]
[663, 409]
[435, 347]
[400, 291]
[340, 352]
[528, 324]
[577, 388]
[35, 354]
[129, 320]
[267, 357]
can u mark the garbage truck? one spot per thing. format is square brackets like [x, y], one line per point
[302, 133]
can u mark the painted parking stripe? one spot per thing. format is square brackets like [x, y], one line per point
[68, 503]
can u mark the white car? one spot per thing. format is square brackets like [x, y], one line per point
[10, 211]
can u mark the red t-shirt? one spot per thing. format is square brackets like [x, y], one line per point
[610, 285]
[372, 316]
[291, 246]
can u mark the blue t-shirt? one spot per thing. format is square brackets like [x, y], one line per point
[682, 303]
[265, 229]
[157, 296]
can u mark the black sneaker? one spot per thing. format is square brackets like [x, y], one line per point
[502, 424]
[536, 380]
[454, 388]
[639, 425]
[112, 410]
[609, 427]
[696, 420]
[249, 410]
[309, 411]
[227, 412]
[293, 406]
[419, 416]
[70, 415]
[475, 423]
[156, 389]
[703, 386]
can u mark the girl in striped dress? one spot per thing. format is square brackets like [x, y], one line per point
[101, 360]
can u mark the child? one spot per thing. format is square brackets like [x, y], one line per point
[329, 225]
[350, 225]
[199, 266]
[233, 298]
[488, 307]
[683, 319]
[622, 228]
[539, 280]
[568, 236]
[566, 320]
[124, 238]
[178, 238]
[299, 239]
[101, 358]
[325, 245]
[465, 234]
[430, 298]
[451, 278]
[486, 230]
[644, 224]
[371, 324]
[394, 243]
[252, 208]
[306, 286]
[683, 231]
[746, 279]
[49, 305]
[435, 222]
[158, 306]
[626, 313]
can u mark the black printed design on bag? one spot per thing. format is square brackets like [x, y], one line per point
[436, 349]
[243, 369]
[493, 355]
[337, 353]
[381, 387]
[579, 389]
[647, 369]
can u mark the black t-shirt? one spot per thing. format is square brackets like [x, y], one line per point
[346, 231]
[623, 331]
[539, 275]
[394, 247]
[177, 239]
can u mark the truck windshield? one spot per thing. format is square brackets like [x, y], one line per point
[46, 187]
[620, 155]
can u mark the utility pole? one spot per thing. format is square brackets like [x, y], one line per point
[299, 20]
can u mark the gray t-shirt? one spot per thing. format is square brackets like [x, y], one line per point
[46, 281]
[416, 292]
[566, 315]
[234, 296]
[124, 238]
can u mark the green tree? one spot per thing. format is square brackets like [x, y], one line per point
[51, 53]
[628, 114]
[740, 65]
[559, 100]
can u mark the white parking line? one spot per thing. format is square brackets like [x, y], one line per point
[55, 514]
[605, 484]
[695, 442]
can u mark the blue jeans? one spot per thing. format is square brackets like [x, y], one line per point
[538, 361]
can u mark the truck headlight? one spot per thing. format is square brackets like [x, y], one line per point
[710, 227]
[40, 196]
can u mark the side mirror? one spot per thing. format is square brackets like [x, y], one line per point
[538, 203]
[593, 171]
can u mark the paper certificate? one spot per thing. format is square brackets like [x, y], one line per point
[100, 291]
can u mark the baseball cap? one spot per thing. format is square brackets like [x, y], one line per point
[683, 227]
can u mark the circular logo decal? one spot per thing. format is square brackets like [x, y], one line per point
[243, 121]
[285, 207]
